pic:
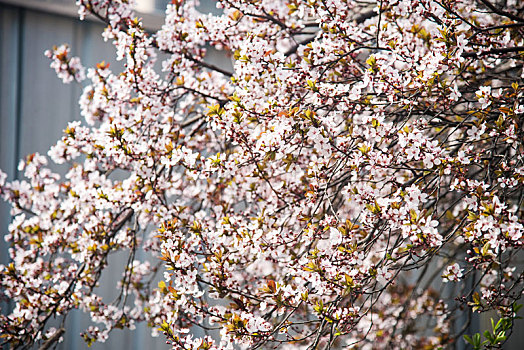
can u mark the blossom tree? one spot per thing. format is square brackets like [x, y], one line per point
[356, 180]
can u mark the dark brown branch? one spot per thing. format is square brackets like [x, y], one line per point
[208, 65]
[502, 26]
[501, 12]
[494, 51]
[53, 339]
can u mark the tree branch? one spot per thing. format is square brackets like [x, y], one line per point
[501, 12]
[208, 66]
[493, 51]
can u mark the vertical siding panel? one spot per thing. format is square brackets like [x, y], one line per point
[9, 72]
[9, 80]
[35, 107]
[46, 105]
[45, 100]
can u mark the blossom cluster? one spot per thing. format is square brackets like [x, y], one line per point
[66, 68]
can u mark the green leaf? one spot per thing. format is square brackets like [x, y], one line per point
[497, 326]
[485, 249]
[517, 307]
[500, 338]
[476, 340]
[312, 85]
[489, 337]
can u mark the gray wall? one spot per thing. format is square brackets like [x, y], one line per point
[35, 106]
